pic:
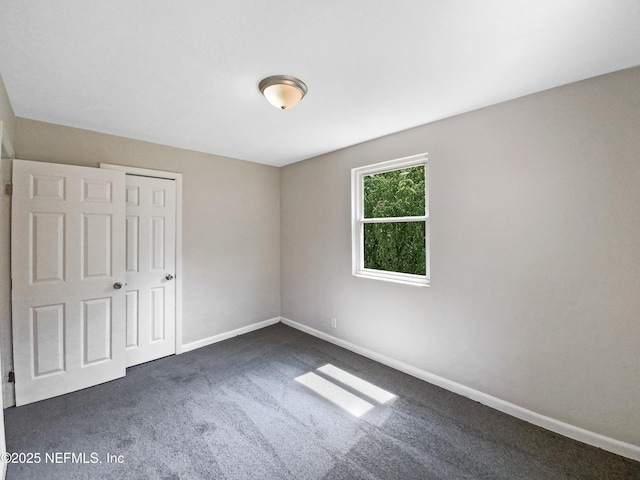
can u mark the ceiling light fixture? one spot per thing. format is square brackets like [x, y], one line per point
[283, 91]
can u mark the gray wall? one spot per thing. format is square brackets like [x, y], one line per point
[6, 113]
[535, 251]
[231, 221]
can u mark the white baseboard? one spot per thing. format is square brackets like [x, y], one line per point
[226, 335]
[595, 439]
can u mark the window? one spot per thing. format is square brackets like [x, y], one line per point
[391, 220]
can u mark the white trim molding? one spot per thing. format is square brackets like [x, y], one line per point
[145, 172]
[585, 436]
[227, 335]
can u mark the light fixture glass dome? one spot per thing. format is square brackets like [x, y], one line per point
[283, 91]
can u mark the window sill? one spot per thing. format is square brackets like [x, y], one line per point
[406, 279]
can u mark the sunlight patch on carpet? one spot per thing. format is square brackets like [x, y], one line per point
[341, 397]
[356, 383]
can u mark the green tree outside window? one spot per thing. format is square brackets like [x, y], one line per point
[395, 246]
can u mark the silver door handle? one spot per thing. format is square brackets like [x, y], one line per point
[117, 285]
[169, 277]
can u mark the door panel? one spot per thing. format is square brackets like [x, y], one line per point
[157, 243]
[47, 187]
[96, 316]
[133, 244]
[157, 313]
[96, 245]
[132, 318]
[151, 230]
[48, 339]
[68, 237]
[47, 252]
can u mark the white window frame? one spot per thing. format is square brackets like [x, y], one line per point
[358, 220]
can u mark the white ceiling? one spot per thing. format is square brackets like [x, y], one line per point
[186, 73]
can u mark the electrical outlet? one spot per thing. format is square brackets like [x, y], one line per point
[334, 322]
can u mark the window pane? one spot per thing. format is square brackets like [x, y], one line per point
[395, 247]
[399, 193]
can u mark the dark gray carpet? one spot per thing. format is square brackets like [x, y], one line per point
[233, 411]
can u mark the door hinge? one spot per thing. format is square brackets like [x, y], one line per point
[8, 189]
[12, 377]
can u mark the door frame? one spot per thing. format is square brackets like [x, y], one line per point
[145, 172]
[6, 392]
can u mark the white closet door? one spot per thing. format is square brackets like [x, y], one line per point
[68, 259]
[151, 264]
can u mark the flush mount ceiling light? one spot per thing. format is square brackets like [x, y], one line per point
[283, 91]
